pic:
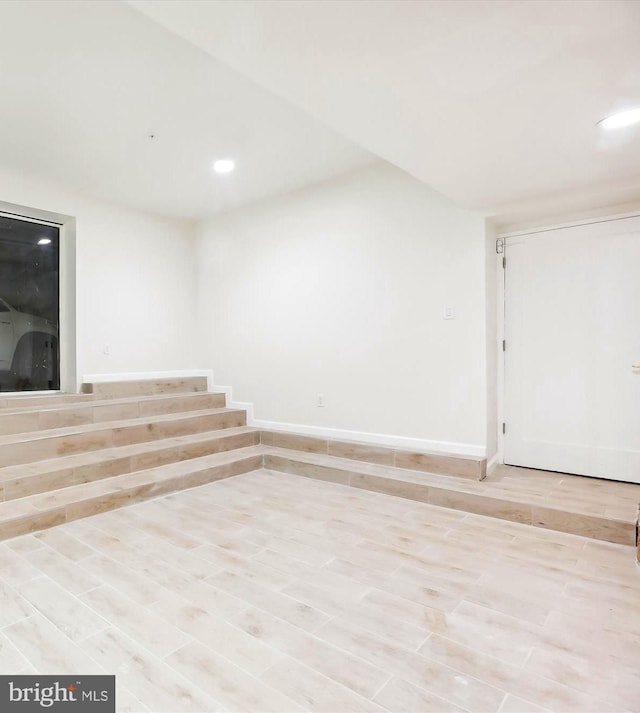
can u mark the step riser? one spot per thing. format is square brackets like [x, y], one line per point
[441, 463]
[45, 448]
[66, 477]
[150, 387]
[22, 487]
[92, 506]
[120, 389]
[29, 422]
[45, 401]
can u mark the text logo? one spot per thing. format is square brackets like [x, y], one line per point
[73, 694]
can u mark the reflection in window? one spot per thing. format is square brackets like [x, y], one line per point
[29, 305]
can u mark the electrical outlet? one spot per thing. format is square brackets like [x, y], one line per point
[320, 401]
[449, 312]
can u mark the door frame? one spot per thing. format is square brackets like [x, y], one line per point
[500, 307]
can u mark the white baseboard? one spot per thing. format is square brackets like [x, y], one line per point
[418, 444]
[228, 392]
[140, 375]
[404, 442]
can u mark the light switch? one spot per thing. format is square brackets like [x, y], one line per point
[449, 312]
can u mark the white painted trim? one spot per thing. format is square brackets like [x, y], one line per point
[495, 461]
[68, 338]
[142, 375]
[500, 306]
[418, 444]
[570, 224]
[228, 392]
[26, 394]
[450, 448]
[67, 307]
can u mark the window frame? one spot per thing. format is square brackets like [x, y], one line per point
[67, 343]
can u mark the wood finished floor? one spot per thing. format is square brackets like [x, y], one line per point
[272, 592]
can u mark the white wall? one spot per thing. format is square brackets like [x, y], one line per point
[135, 280]
[339, 290]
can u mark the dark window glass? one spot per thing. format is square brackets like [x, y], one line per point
[29, 305]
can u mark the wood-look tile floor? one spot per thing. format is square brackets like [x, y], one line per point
[272, 592]
[580, 494]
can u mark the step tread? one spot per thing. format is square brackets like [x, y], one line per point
[488, 489]
[106, 425]
[56, 499]
[38, 400]
[77, 460]
[90, 401]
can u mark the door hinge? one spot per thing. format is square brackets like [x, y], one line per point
[504, 427]
[504, 345]
[500, 246]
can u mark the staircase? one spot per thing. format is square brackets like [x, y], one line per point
[63, 457]
[68, 456]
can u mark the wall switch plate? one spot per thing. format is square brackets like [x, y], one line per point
[106, 349]
[449, 312]
[320, 401]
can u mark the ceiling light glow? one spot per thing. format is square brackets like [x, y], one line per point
[621, 119]
[224, 165]
[44, 241]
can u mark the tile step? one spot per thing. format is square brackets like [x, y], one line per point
[471, 467]
[27, 419]
[480, 497]
[145, 387]
[22, 480]
[27, 400]
[63, 402]
[106, 391]
[488, 498]
[38, 512]
[41, 445]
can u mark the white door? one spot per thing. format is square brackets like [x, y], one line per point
[572, 330]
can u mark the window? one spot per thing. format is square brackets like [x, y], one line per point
[29, 305]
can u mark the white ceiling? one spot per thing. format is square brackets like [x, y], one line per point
[83, 85]
[492, 103]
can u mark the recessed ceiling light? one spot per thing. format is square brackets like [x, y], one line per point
[622, 118]
[224, 165]
[44, 241]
